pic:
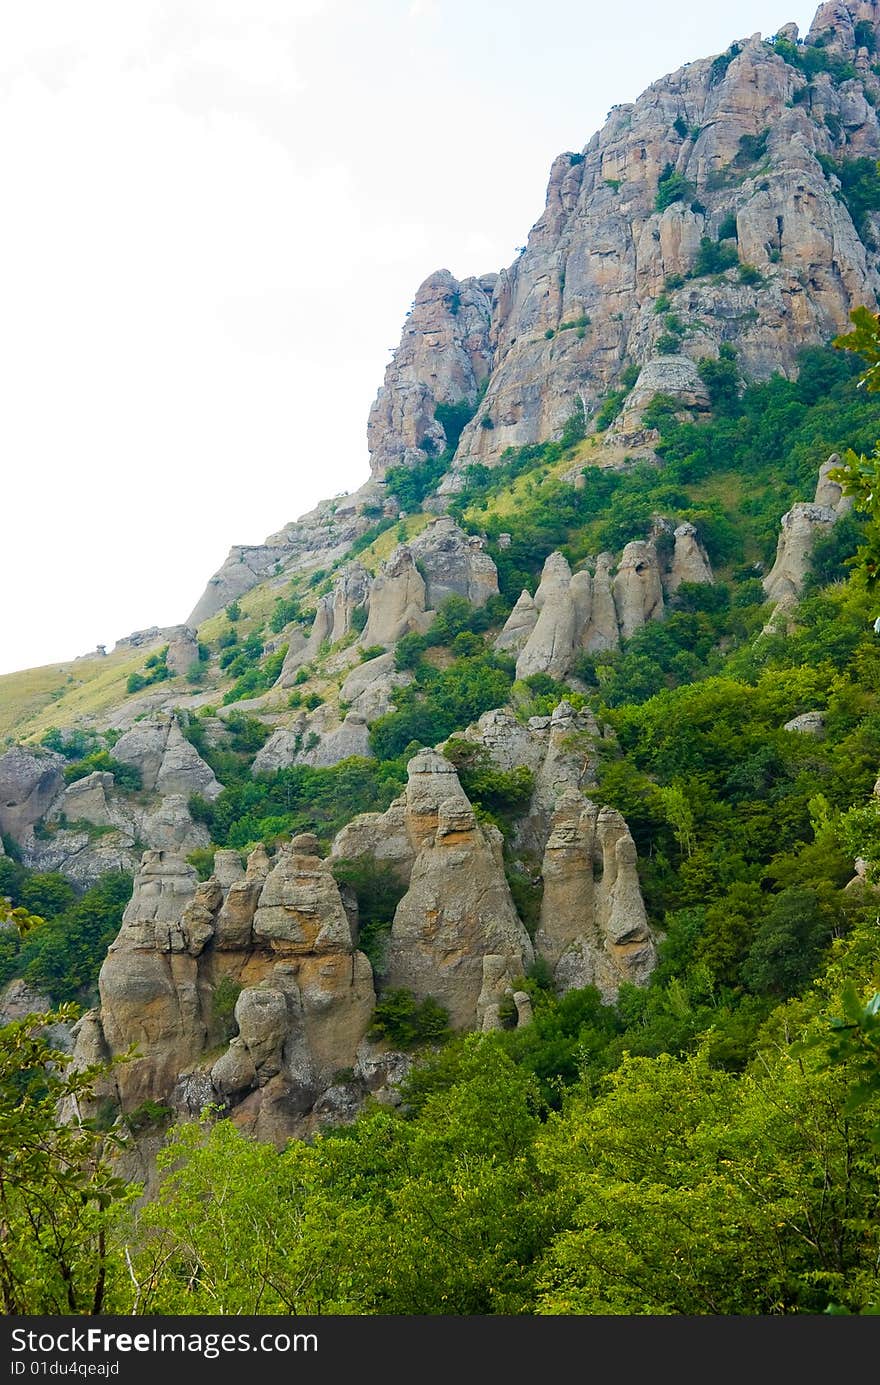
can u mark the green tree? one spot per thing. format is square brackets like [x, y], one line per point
[58, 1191]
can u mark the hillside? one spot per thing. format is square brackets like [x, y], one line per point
[492, 848]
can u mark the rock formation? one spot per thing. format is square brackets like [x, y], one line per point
[801, 526]
[280, 937]
[29, 781]
[690, 562]
[576, 613]
[594, 929]
[443, 358]
[457, 921]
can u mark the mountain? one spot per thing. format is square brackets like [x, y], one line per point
[572, 704]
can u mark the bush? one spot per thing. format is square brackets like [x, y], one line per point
[408, 1023]
[379, 891]
[713, 258]
[223, 1002]
[672, 187]
[126, 776]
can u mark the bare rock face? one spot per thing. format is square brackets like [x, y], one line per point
[457, 914]
[384, 836]
[183, 650]
[560, 750]
[801, 526]
[280, 932]
[167, 762]
[830, 492]
[453, 564]
[29, 781]
[601, 254]
[807, 724]
[594, 929]
[550, 647]
[443, 358]
[518, 626]
[638, 592]
[579, 612]
[690, 562]
[676, 376]
[350, 593]
[369, 686]
[397, 600]
[315, 540]
[602, 631]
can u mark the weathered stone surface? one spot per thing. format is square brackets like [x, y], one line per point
[183, 650]
[315, 540]
[803, 523]
[443, 358]
[594, 929]
[690, 562]
[676, 376]
[560, 750]
[301, 1012]
[167, 762]
[638, 592]
[453, 564]
[29, 781]
[369, 686]
[300, 908]
[457, 911]
[519, 625]
[602, 631]
[551, 644]
[397, 600]
[807, 724]
[384, 836]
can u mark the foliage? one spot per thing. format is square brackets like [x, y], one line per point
[379, 890]
[408, 1022]
[859, 190]
[126, 776]
[713, 257]
[672, 187]
[58, 1192]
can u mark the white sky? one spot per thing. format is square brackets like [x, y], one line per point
[216, 214]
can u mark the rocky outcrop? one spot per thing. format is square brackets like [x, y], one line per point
[453, 564]
[801, 526]
[594, 929]
[29, 781]
[279, 935]
[576, 613]
[638, 592]
[397, 600]
[183, 650]
[518, 626]
[443, 358]
[457, 926]
[690, 562]
[561, 751]
[368, 688]
[577, 305]
[675, 376]
[167, 762]
[551, 645]
[316, 540]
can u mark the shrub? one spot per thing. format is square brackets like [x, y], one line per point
[727, 229]
[404, 1021]
[713, 258]
[672, 187]
[223, 1002]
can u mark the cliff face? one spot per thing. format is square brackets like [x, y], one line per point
[734, 144]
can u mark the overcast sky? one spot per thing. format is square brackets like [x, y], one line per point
[216, 214]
